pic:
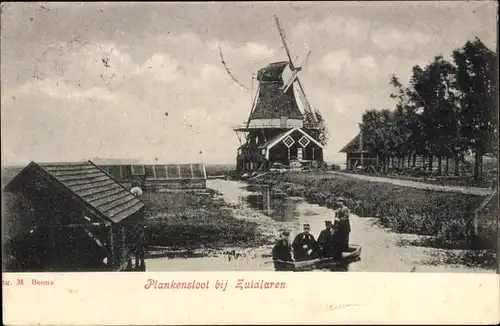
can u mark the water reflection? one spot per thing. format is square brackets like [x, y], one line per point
[272, 203]
[230, 260]
[274, 207]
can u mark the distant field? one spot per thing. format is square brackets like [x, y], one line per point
[8, 173]
[219, 169]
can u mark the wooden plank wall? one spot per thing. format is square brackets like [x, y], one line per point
[165, 176]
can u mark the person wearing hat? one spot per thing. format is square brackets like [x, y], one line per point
[325, 242]
[304, 245]
[282, 250]
[342, 226]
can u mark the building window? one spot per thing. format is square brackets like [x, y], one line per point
[288, 141]
[304, 141]
[138, 170]
[160, 171]
[149, 171]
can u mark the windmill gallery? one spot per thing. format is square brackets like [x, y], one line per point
[277, 131]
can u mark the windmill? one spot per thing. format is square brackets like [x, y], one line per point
[295, 72]
[276, 130]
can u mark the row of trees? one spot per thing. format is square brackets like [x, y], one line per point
[448, 109]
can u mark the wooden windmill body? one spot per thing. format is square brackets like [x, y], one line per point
[277, 131]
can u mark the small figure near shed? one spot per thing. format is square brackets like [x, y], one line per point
[136, 190]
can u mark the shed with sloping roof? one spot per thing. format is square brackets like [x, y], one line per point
[160, 176]
[358, 153]
[72, 217]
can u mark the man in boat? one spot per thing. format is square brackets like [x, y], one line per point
[282, 250]
[304, 245]
[342, 226]
[325, 242]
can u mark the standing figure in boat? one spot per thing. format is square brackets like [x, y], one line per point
[304, 245]
[325, 242]
[342, 225]
[336, 241]
[282, 250]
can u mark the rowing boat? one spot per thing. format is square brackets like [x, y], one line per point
[350, 256]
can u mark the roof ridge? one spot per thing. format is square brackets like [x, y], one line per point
[48, 175]
[53, 179]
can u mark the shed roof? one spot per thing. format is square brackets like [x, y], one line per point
[353, 146]
[89, 185]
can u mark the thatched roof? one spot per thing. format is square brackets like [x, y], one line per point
[272, 103]
[272, 72]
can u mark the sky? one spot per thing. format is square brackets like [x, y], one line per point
[145, 81]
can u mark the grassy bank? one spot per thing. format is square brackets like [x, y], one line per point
[445, 216]
[219, 169]
[190, 221]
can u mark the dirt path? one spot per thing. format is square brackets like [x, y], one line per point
[420, 185]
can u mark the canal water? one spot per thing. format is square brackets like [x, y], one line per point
[273, 211]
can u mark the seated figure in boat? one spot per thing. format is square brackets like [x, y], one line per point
[304, 245]
[325, 242]
[282, 250]
[342, 225]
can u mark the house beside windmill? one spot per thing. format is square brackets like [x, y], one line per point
[277, 131]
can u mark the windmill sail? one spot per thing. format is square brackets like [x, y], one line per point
[229, 72]
[296, 72]
[302, 94]
[283, 38]
[254, 102]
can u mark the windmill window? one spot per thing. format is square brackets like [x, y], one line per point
[304, 141]
[288, 141]
[263, 151]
